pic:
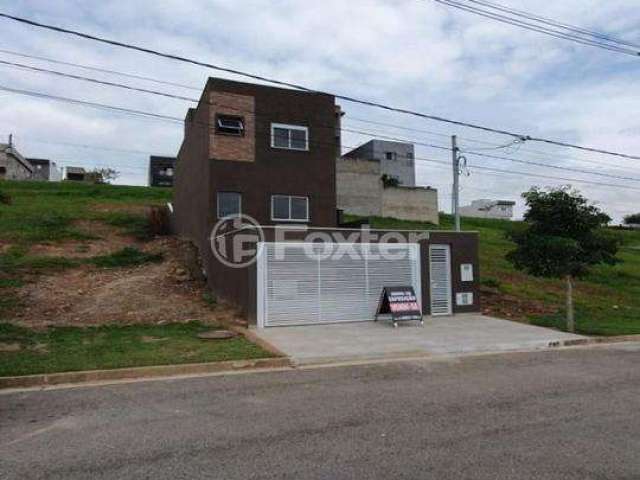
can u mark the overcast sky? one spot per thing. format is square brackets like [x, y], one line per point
[411, 53]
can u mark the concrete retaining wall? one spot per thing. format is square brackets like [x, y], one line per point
[406, 203]
[360, 192]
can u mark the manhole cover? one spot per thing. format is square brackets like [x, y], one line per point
[217, 335]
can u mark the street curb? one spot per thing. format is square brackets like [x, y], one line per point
[594, 341]
[254, 338]
[135, 373]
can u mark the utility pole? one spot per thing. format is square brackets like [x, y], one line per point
[455, 194]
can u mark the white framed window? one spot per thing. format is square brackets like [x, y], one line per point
[289, 208]
[229, 204]
[289, 137]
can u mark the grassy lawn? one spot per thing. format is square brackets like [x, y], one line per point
[607, 301]
[66, 349]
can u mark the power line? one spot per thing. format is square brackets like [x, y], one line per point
[94, 147]
[100, 106]
[101, 70]
[377, 134]
[547, 165]
[199, 89]
[537, 28]
[537, 153]
[555, 23]
[95, 80]
[303, 88]
[176, 119]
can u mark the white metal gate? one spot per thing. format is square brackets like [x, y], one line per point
[440, 278]
[305, 284]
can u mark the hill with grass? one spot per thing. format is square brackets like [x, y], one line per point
[90, 280]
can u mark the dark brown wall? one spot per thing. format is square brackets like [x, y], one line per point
[272, 171]
[464, 249]
[192, 189]
[278, 171]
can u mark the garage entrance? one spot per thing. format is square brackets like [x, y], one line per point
[311, 284]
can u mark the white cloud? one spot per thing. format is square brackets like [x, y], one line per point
[412, 53]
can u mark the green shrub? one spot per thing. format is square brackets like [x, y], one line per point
[632, 219]
[127, 257]
[490, 282]
[5, 198]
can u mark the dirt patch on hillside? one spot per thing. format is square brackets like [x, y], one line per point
[154, 293]
[502, 305]
[109, 240]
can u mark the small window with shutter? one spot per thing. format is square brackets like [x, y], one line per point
[230, 125]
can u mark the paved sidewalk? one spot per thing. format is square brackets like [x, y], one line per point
[466, 333]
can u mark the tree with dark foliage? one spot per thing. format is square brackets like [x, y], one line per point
[632, 219]
[102, 175]
[562, 236]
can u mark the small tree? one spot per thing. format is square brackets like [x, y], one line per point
[102, 175]
[632, 219]
[561, 237]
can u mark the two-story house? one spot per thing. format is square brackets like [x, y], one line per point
[270, 154]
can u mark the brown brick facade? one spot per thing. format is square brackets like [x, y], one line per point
[225, 147]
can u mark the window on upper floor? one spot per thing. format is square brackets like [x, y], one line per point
[390, 155]
[229, 204]
[289, 137]
[230, 125]
[289, 208]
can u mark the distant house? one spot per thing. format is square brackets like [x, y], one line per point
[44, 169]
[76, 174]
[396, 159]
[13, 166]
[500, 209]
[161, 171]
[378, 179]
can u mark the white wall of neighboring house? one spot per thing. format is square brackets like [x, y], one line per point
[485, 208]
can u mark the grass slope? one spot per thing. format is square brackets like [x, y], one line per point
[607, 300]
[47, 212]
[67, 349]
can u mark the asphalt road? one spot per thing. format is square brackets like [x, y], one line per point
[562, 414]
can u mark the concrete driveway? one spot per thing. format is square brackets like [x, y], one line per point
[466, 333]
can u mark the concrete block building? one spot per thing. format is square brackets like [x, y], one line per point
[485, 208]
[46, 170]
[13, 166]
[396, 159]
[361, 191]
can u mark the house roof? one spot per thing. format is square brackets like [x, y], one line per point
[9, 150]
[78, 170]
